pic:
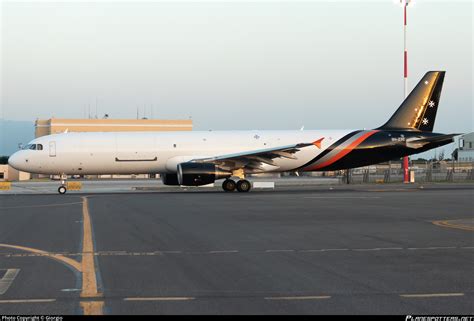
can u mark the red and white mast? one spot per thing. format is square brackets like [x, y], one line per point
[406, 173]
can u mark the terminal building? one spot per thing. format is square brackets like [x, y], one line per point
[465, 149]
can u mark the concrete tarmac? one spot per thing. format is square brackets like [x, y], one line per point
[365, 249]
[131, 185]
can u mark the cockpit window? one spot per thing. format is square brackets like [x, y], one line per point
[33, 147]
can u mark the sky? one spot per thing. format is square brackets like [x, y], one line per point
[233, 64]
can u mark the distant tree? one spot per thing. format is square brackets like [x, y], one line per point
[454, 155]
[3, 160]
[441, 155]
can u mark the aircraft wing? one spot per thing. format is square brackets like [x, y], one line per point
[253, 160]
[420, 142]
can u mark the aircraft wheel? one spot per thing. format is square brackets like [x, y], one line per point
[228, 185]
[62, 190]
[243, 186]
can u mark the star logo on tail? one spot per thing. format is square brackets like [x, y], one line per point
[431, 104]
[425, 121]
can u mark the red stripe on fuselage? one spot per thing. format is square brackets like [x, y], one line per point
[345, 151]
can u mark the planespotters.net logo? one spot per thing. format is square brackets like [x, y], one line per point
[438, 318]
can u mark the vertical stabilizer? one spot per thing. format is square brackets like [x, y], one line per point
[418, 110]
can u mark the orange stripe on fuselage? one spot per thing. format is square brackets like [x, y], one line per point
[345, 151]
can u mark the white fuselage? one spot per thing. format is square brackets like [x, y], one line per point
[160, 152]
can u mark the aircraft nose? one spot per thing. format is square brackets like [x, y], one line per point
[15, 161]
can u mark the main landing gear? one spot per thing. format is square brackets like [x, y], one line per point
[242, 185]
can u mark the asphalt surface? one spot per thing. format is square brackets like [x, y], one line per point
[130, 185]
[391, 249]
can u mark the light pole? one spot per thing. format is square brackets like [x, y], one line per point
[406, 173]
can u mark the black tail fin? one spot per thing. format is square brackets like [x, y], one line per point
[418, 110]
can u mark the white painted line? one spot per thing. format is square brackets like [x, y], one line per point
[7, 280]
[440, 247]
[320, 297]
[161, 299]
[28, 301]
[432, 248]
[431, 295]
[71, 290]
[324, 250]
[106, 253]
[151, 253]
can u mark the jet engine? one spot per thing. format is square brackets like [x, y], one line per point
[196, 174]
[170, 179]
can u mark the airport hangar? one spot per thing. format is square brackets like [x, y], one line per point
[59, 125]
[51, 126]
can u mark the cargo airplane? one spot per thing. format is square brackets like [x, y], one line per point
[201, 157]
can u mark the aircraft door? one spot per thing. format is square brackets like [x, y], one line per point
[52, 149]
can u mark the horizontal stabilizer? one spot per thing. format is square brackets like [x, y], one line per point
[420, 142]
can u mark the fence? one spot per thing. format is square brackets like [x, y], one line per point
[393, 173]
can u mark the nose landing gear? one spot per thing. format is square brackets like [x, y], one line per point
[62, 189]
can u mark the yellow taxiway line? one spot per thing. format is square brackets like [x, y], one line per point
[58, 257]
[89, 280]
[450, 224]
[86, 267]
